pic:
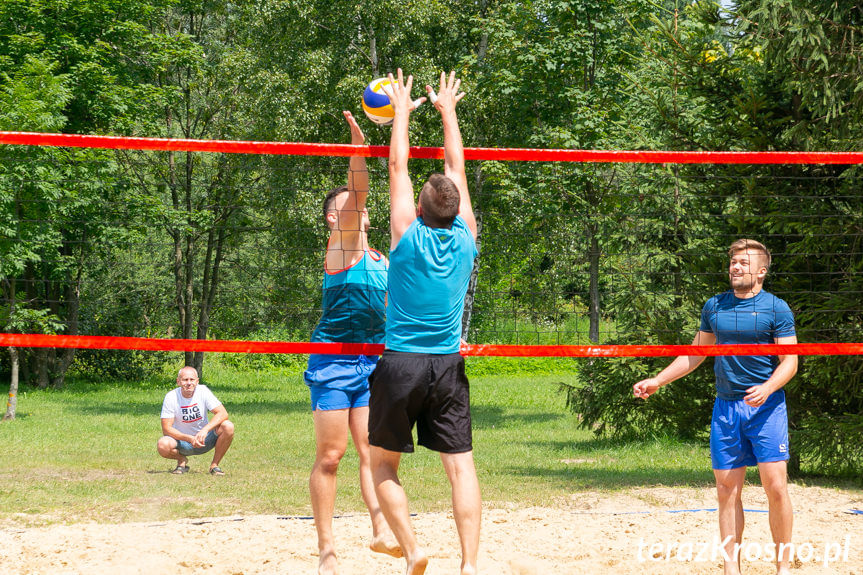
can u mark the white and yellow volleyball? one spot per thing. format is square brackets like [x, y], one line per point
[376, 104]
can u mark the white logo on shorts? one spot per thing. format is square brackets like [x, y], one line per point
[782, 448]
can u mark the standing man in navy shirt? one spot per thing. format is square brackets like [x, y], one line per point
[420, 379]
[750, 421]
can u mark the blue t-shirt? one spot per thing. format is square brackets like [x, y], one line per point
[354, 302]
[756, 320]
[429, 273]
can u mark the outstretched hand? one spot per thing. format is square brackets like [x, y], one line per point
[357, 136]
[448, 95]
[399, 93]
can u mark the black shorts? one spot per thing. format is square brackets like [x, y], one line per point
[429, 390]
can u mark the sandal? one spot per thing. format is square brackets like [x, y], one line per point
[180, 469]
[216, 471]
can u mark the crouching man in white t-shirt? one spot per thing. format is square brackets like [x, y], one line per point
[185, 425]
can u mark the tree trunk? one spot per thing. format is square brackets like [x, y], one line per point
[190, 252]
[373, 55]
[184, 249]
[593, 258]
[481, 50]
[212, 265]
[65, 356]
[42, 379]
[676, 272]
[12, 402]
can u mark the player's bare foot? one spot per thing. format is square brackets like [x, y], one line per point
[387, 545]
[417, 565]
[327, 563]
[468, 570]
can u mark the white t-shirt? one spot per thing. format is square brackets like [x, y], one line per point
[190, 414]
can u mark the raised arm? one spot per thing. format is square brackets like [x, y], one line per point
[447, 98]
[402, 206]
[352, 205]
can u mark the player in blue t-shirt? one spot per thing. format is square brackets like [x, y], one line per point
[354, 302]
[420, 379]
[750, 421]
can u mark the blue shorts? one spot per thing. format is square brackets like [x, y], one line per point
[741, 435]
[185, 448]
[339, 381]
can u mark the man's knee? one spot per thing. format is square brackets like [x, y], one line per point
[384, 463]
[459, 464]
[774, 479]
[226, 429]
[328, 460]
[166, 445]
[728, 487]
[776, 488]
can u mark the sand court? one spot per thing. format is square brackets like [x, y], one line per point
[637, 531]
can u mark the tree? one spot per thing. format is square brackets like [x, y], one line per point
[84, 48]
[764, 77]
[546, 76]
[33, 99]
[812, 54]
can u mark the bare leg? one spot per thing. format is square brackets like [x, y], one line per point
[226, 436]
[729, 485]
[167, 447]
[331, 441]
[383, 540]
[774, 478]
[466, 505]
[394, 505]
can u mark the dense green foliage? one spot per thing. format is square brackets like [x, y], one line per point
[772, 76]
[174, 244]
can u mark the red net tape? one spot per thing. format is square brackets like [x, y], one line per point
[234, 346]
[499, 154]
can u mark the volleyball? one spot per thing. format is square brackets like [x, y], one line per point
[376, 104]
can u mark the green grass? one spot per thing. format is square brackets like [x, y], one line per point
[87, 453]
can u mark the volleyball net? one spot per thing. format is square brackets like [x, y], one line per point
[198, 246]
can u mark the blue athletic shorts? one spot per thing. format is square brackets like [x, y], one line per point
[185, 448]
[741, 435]
[339, 381]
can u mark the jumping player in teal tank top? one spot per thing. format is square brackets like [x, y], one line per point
[354, 300]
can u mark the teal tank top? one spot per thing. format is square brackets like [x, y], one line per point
[428, 278]
[354, 302]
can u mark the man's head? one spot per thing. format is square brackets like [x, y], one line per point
[439, 202]
[334, 203]
[749, 263]
[187, 380]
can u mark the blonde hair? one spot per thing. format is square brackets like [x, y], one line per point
[742, 245]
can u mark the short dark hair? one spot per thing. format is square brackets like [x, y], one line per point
[440, 200]
[330, 197]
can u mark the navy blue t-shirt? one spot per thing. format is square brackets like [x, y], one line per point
[756, 320]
